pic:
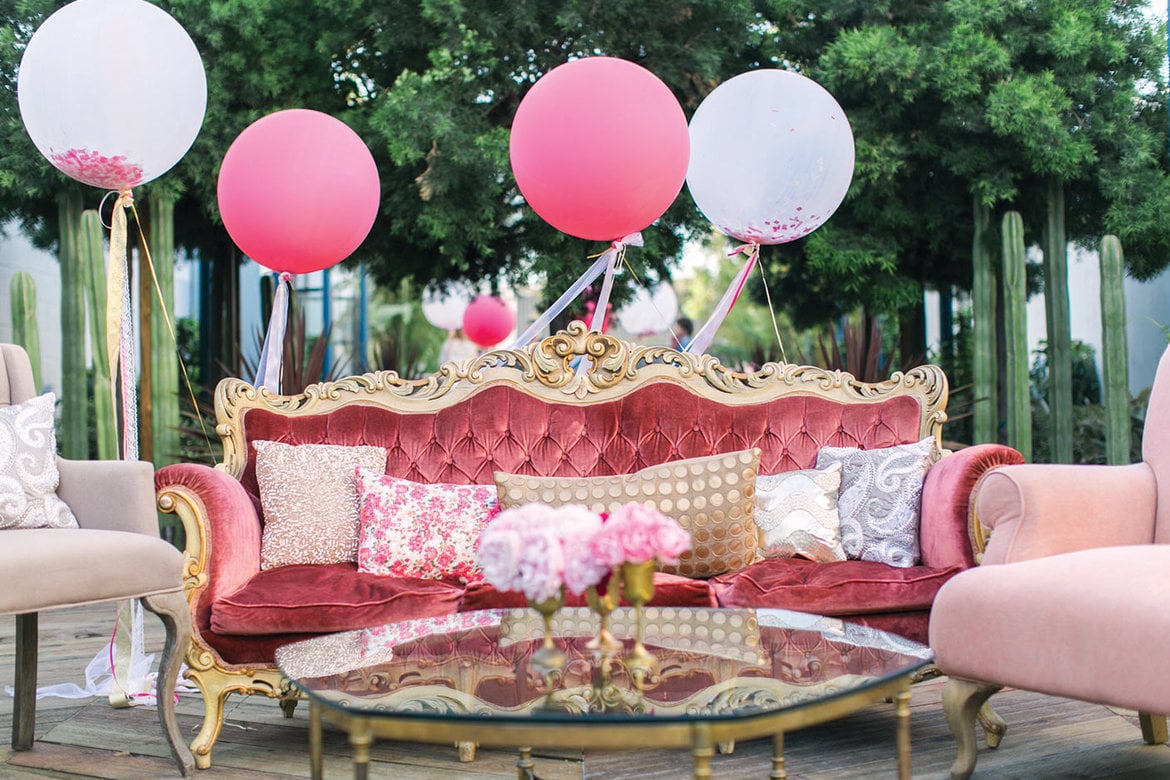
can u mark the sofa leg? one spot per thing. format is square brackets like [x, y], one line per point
[213, 706]
[962, 700]
[24, 709]
[1153, 728]
[466, 751]
[288, 705]
[994, 727]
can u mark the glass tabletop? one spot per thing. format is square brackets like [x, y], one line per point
[708, 664]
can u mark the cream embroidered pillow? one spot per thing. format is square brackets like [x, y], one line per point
[880, 500]
[797, 514]
[28, 467]
[711, 497]
[310, 499]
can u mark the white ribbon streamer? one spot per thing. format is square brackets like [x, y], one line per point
[272, 353]
[706, 334]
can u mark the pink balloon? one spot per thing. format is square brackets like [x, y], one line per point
[599, 148]
[488, 320]
[298, 191]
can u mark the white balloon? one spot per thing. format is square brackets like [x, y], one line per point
[771, 156]
[649, 311]
[444, 307]
[112, 92]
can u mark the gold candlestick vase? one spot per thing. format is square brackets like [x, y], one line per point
[638, 588]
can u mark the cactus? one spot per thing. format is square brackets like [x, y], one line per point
[1015, 304]
[164, 366]
[94, 263]
[73, 431]
[1059, 328]
[1114, 352]
[24, 320]
[983, 303]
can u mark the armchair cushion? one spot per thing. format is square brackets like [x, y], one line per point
[28, 467]
[43, 568]
[1047, 509]
[324, 598]
[1089, 625]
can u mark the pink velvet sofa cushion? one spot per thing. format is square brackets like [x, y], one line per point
[327, 598]
[836, 589]
[670, 590]
[501, 428]
[1090, 625]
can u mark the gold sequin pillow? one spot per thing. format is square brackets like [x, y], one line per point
[712, 497]
[310, 500]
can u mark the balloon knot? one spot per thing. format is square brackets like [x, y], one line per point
[127, 198]
[285, 276]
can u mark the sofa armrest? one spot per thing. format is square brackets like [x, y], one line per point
[110, 495]
[1047, 509]
[221, 526]
[945, 535]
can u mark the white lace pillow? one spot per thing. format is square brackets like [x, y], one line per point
[28, 467]
[797, 514]
[880, 500]
[310, 500]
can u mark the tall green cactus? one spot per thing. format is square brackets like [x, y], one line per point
[1114, 352]
[986, 407]
[164, 364]
[1059, 327]
[1015, 304]
[24, 320]
[93, 260]
[72, 434]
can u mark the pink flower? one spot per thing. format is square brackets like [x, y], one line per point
[499, 557]
[636, 533]
[541, 566]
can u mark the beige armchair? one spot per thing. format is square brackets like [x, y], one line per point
[1071, 596]
[115, 554]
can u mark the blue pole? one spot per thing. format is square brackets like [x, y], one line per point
[327, 321]
[363, 321]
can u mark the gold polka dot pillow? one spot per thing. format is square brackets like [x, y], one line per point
[309, 495]
[712, 498]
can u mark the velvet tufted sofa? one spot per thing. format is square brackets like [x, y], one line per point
[578, 403]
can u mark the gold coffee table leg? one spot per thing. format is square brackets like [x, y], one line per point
[316, 766]
[360, 739]
[702, 748]
[902, 731]
[778, 772]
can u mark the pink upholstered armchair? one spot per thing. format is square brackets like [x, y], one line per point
[1071, 599]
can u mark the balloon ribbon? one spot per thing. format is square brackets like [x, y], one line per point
[607, 261]
[272, 353]
[706, 334]
[120, 326]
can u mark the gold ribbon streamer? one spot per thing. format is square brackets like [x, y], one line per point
[115, 289]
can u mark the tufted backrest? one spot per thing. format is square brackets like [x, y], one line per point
[504, 428]
[16, 377]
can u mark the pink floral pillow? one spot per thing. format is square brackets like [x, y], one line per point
[412, 529]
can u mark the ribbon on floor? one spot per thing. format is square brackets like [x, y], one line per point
[272, 353]
[706, 334]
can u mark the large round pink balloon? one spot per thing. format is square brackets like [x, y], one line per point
[599, 148]
[488, 320]
[298, 191]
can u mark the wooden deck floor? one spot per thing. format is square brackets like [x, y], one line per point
[1048, 737]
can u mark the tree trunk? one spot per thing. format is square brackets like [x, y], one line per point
[1059, 336]
[984, 428]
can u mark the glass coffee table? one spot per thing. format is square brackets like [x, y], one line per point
[717, 676]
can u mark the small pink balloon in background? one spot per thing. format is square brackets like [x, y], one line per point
[488, 320]
[599, 148]
[298, 191]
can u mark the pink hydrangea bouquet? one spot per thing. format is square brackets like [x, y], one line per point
[637, 533]
[536, 549]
